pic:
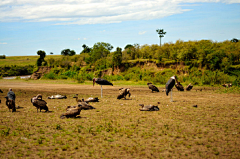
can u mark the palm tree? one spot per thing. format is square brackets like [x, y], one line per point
[161, 34]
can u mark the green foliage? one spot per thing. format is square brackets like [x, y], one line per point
[2, 57]
[100, 50]
[117, 57]
[68, 52]
[15, 70]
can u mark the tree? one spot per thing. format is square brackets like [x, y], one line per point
[68, 52]
[100, 50]
[117, 57]
[86, 49]
[161, 34]
[40, 60]
[234, 40]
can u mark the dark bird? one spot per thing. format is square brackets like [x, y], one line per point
[10, 104]
[189, 87]
[123, 92]
[149, 107]
[170, 84]
[101, 82]
[39, 103]
[85, 105]
[152, 87]
[72, 112]
[179, 86]
[195, 106]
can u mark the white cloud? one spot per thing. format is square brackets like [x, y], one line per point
[66, 12]
[142, 32]
[3, 43]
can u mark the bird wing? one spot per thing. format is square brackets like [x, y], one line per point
[103, 82]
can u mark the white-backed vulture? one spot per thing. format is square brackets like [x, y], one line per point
[152, 87]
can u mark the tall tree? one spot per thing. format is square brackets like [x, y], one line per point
[161, 33]
[42, 55]
[117, 57]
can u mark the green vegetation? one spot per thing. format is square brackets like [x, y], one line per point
[201, 62]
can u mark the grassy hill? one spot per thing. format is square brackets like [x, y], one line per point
[23, 60]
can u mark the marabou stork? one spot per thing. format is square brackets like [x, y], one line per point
[101, 82]
[170, 84]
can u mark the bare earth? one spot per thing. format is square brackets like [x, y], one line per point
[116, 128]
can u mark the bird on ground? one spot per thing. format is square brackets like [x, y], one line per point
[179, 86]
[152, 87]
[101, 82]
[189, 87]
[58, 96]
[149, 107]
[170, 84]
[227, 85]
[10, 104]
[90, 99]
[39, 103]
[71, 112]
[123, 92]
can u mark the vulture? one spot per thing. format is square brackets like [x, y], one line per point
[1, 92]
[71, 112]
[85, 105]
[90, 99]
[39, 103]
[227, 85]
[58, 96]
[123, 92]
[10, 104]
[152, 87]
[179, 86]
[101, 82]
[170, 84]
[190, 86]
[149, 107]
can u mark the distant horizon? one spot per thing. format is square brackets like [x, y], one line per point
[28, 26]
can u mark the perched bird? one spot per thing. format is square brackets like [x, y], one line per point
[123, 92]
[72, 112]
[39, 103]
[170, 84]
[58, 96]
[149, 107]
[190, 86]
[101, 82]
[179, 86]
[152, 87]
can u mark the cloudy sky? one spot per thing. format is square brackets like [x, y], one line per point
[27, 26]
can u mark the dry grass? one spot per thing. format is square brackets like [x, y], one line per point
[117, 129]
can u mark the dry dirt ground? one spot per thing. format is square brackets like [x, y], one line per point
[116, 128]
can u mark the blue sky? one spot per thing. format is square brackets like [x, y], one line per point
[27, 26]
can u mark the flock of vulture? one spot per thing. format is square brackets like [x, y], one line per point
[73, 111]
